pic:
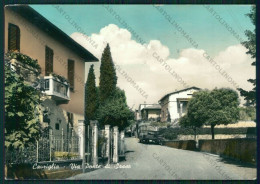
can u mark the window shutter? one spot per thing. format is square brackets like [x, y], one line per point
[17, 38]
[48, 61]
[51, 60]
[13, 37]
[71, 73]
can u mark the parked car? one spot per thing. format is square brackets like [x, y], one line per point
[149, 134]
[151, 137]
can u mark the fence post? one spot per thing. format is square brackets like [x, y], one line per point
[55, 146]
[115, 152]
[111, 144]
[71, 142]
[119, 144]
[87, 149]
[50, 141]
[62, 141]
[107, 134]
[122, 141]
[95, 142]
[81, 131]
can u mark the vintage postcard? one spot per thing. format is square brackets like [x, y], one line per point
[130, 92]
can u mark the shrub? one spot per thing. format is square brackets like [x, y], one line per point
[24, 59]
[67, 155]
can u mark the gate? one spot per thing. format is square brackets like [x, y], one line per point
[43, 147]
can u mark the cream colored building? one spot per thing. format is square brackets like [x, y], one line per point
[29, 33]
[149, 111]
[174, 105]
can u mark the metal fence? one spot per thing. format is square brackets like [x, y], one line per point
[51, 147]
[47, 148]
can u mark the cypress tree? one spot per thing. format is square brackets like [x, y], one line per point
[250, 44]
[91, 96]
[115, 111]
[108, 78]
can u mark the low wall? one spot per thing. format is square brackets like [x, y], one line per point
[21, 172]
[185, 145]
[239, 124]
[53, 170]
[205, 133]
[240, 149]
[209, 136]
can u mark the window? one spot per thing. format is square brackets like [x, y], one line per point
[48, 61]
[57, 126]
[13, 37]
[71, 73]
[184, 106]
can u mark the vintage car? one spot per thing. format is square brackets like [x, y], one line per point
[149, 134]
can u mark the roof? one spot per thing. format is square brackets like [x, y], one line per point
[186, 89]
[145, 105]
[50, 29]
[154, 106]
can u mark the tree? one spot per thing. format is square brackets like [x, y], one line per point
[91, 96]
[108, 78]
[22, 101]
[187, 121]
[247, 113]
[250, 44]
[115, 111]
[219, 106]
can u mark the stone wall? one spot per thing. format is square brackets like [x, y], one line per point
[239, 124]
[185, 145]
[240, 149]
[205, 133]
[208, 136]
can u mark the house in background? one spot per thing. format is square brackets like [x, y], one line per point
[149, 111]
[59, 56]
[174, 105]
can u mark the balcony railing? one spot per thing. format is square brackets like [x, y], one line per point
[57, 89]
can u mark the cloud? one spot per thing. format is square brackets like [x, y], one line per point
[138, 61]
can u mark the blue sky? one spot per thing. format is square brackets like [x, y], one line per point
[151, 25]
[138, 60]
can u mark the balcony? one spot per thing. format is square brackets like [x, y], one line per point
[58, 90]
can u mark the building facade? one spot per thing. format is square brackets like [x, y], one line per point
[59, 57]
[149, 111]
[174, 105]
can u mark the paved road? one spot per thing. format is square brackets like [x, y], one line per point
[160, 162]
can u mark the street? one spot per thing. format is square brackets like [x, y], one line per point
[157, 162]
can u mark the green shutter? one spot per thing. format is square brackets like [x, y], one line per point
[48, 61]
[13, 37]
[71, 73]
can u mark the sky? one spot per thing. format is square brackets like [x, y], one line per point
[140, 36]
